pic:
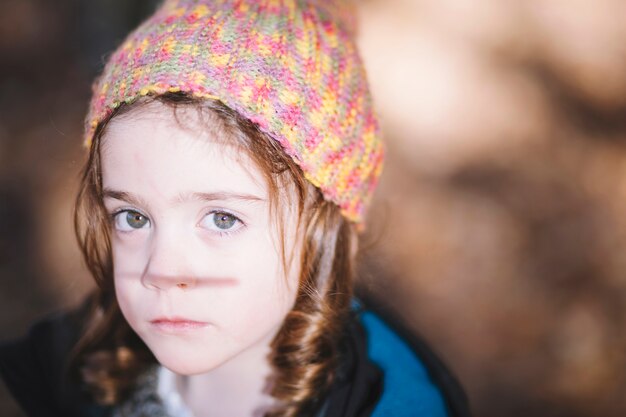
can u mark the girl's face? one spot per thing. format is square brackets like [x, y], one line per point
[198, 269]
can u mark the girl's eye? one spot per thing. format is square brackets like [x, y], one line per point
[128, 220]
[221, 221]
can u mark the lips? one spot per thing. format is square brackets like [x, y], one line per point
[177, 324]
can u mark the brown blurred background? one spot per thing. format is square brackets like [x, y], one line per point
[499, 228]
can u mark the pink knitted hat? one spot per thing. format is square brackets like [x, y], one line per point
[290, 66]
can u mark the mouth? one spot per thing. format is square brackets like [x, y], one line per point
[177, 324]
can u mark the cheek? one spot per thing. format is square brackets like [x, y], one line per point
[128, 298]
[129, 259]
[266, 295]
[127, 267]
[129, 252]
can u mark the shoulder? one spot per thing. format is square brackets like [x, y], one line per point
[33, 367]
[416, 382]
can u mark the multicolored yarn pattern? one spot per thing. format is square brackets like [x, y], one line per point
[290, 66]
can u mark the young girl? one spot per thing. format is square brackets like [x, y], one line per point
[233, 151]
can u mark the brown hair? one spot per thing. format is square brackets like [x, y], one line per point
[109, 356]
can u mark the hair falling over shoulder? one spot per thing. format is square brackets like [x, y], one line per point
[109, 357]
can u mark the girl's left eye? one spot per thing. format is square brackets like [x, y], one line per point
[221, 221]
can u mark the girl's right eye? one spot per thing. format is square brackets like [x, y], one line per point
[129, 220]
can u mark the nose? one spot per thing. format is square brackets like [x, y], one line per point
[165, 282]
[167, 266]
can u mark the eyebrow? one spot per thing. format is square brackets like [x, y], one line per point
[183, 197]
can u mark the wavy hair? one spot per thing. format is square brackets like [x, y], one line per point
[109, 356]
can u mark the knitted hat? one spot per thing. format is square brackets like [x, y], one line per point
[290, 66]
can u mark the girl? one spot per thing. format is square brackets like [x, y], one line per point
[233, 151]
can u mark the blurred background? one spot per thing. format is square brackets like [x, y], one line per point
[499, 229]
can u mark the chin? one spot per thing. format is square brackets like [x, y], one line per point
[184, 365]
[183, 358]
[185, 369]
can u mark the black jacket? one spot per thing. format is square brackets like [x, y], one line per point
[384, 371]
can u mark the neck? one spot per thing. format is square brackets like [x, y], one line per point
[237, 388]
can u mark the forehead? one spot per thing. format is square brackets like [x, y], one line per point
[150, 118]
[158, 151]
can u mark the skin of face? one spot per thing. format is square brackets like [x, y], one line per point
[198, 270]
